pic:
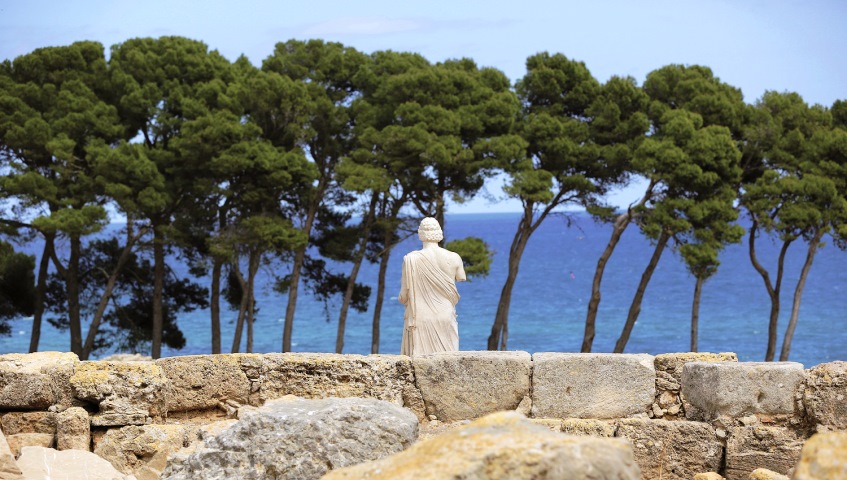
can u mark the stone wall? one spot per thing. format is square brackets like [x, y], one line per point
[683, 414]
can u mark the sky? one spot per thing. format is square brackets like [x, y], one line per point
[755, 45]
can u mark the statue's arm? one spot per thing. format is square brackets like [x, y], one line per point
[404, 292]
[460, 268]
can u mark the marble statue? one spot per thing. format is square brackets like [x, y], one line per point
[428, 290]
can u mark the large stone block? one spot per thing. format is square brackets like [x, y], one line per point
[200, 382]
[28, 422]
[823, 456]
[35, 381]
[825, 395]
[8, 467]
[142, 450]
[299, 439]
[468, 385]
[673, 449]
[73, 430]
[669, 379]
[502, 446]
[592, 385]
[737, 389]
[749, 448]
[39, 462]
[19, 441]
[126, 393]
[321, 375]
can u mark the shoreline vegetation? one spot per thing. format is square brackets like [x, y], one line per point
[325, 155]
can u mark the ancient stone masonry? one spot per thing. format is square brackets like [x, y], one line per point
[678, 415]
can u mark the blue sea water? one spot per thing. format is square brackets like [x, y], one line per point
[550, 299]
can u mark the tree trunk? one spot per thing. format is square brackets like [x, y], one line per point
[499, 330]
[772, 289]
[215, 304]
[158, 291]
[242, 309]
[299, 259]
[72, 282]
[695, 311]
[107, 292]
[40, 291]
[621, 223]
[253, 267]
[357, 263]
[798, 294]
[635, 307]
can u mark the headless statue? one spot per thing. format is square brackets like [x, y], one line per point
[428, 290]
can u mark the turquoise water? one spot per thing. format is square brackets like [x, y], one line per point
[549, 302]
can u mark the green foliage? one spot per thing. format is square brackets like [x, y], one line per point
[17, 285]
[475, 253]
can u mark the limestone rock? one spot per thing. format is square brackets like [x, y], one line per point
[823, 456]
[127, 357]
[749, 448]
[39, 462]
[73, 430]
[708, 476]
[669, 378]
[28, 422]
[126, 393]
[20, 440]
[765, 474]
[33, 381]
[467, 385]
[503, 445]
[300, 439]
[8, 467]
[202, 381]
[825, 395]
[141, 450]
[736, 389]
[592, 385]
[588, 426]
[672, 449]
[316, 375]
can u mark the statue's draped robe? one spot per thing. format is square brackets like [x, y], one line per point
[429, 323]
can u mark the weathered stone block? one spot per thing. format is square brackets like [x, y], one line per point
[35, 381]
[592, 385]
[825, 395]
[588, 426]
[672, 449]
[321, 375]
[39, 462]
[20, 440]
[503, 445]
[73, 430]
[669, 379]
[142, 450]
[736, 389]
[28, 422]
[765, 474]
[126, 393]
[8, 467]
[200, 382]
[749, 448]
[468, 385]
[823, 456]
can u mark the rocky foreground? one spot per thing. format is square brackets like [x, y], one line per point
[471, 415]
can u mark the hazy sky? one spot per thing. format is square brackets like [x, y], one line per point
[756, 45]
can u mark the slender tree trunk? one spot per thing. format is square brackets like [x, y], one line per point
[798, 294]
[242, 309]
[40, 291]
[253, 267]
[215, 304]
[354, 273]
[635, 307]
[772, 289]
[499, 330]
[72, 282]
[695, 311]
[299, 259]
[158, 290]
[620, 225]
[131, 239]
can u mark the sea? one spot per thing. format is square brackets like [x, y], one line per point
[550, 299]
